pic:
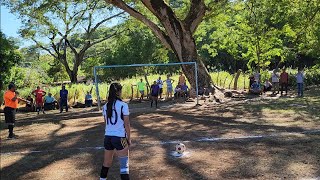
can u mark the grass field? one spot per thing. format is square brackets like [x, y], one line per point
[260, 138]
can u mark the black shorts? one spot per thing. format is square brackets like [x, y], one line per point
[9, 115]
[113, 142]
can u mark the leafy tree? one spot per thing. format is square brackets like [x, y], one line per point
[50, 24]
[9, 57]
[174, 28]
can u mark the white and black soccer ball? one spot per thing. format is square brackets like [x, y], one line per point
[180, 148]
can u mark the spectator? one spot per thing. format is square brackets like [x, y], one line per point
[141, 86]
[49, 102]
[267, 86]
[300, 78]
[185, 90]
[182, 79]
[30, 106]
[88, 99]
[160, 84]
[63, 98]
[169, 82]
[275, 82]
[284, 80]
[255, 88]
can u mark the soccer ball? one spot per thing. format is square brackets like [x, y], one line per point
[180, 148]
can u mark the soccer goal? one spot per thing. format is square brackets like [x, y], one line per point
[113, 69]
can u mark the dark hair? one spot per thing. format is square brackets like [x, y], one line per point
[114, 90]
[11, 85]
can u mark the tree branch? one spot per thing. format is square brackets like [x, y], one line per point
[44, 48]
[195, 15]
[155, 29]
[103, 21]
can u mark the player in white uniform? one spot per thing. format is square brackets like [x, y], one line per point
[117, 132]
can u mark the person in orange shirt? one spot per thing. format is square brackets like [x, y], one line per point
[182, 79]
[11, 100]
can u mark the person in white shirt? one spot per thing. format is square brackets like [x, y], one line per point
[275, 82]
[160, 84]
[117, 132]
[300, 78]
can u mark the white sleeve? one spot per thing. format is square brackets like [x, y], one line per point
[104, 111]
[125, 110]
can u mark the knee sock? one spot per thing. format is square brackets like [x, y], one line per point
[104, 172]
[124, 176]
[124, 167]
[10, 127]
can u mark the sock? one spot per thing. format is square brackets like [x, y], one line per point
[124, 176]
[10, 127]
[151, 102]
[104, 172]
[156, 103]
[124, 167]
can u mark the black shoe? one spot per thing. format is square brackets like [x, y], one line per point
[12, 136]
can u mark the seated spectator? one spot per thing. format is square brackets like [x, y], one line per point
[177, 91]
[88, 99]
[267, 86]
[49, 102]
[185, 90]
[30, 106]
[255, 88]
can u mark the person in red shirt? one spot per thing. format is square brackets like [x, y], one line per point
[39, 93]
[284, 80]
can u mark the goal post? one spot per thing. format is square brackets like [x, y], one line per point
[143, 65]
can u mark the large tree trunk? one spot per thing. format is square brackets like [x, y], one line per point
[174, 33]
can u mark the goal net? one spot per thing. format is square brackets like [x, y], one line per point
[129, 77]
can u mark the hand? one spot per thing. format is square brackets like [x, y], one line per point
[129, 142]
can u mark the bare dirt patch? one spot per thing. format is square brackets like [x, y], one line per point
[67, 145]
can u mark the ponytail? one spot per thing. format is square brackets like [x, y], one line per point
[114, 92]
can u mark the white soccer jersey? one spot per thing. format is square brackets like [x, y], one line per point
[115, 124]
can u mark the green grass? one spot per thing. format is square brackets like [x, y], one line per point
[77, 92]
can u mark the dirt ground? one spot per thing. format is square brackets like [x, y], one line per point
[256, 138]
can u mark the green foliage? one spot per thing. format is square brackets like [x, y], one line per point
[9, 57]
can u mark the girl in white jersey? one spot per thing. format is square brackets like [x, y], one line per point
[117, 132]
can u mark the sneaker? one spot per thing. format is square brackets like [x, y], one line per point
[12, 136]
[43, 112]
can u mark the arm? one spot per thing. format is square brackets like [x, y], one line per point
[44, 93]
[127, 128]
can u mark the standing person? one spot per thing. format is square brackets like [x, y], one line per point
[117, 132]
[160, 84]
[300, 78]
[154, 93]
[11, 101]
[30, 106]
[39, 93]
[182, 79]
[63, 98]
[284, 80]
[256, 76]
[141, 85]
[275, 82]
[169, 82]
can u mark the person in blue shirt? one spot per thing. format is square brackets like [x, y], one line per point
[49, 102]
[88, 99]
[154, 93]
[63, 98]
[185, 90]
[256, 88]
